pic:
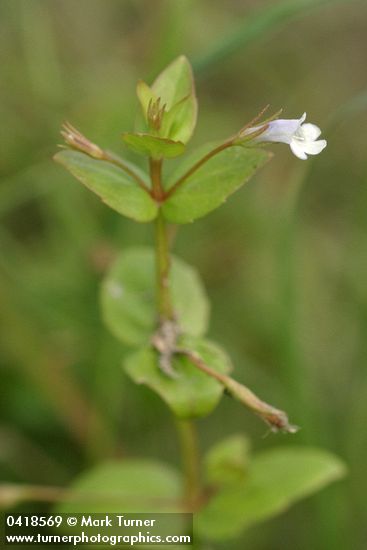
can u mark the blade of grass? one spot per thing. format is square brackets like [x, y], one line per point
[174, 20]
[295, 371]
[44, 366]
[254, 27]
[39, 47]
[17, 190]
[27, 459]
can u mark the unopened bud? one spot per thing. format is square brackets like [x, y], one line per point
[155, 114]
[74, 139]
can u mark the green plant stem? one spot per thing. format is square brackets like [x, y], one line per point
[190, 459]
[115, 159]
[198, 164]
[165, 307]
[155, 166]
[186, 429]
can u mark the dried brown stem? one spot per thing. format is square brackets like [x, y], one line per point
[275, 418]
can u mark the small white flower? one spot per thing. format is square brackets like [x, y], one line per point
[302, 138]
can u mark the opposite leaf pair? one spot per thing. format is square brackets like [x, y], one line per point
[204, 179]
[170, 111]
[201, 183]
[245, 490]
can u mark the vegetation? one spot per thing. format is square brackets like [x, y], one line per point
[282, 261]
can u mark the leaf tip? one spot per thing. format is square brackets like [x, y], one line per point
[57, 157]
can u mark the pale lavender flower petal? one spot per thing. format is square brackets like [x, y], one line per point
[299, 136]
[314, 147]
[297, 149]
[310, 131]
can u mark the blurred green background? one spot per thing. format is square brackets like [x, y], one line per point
[284, 261]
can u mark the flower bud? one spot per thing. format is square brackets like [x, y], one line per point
[74, 139]
[300, 136]
[155, 114]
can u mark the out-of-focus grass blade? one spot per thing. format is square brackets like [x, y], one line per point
[28, 459]
[26, 185]
[40, 50]
[24, 342]
[254, 27]
[171, 34]
[351, 107]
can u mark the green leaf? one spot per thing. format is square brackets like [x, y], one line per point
[113, 185]
[126, 486]
[277, 479]
[179, 123]
[227, 461]
[209, 186]
[175, 82]
[152, 146]
[175, 88]
[193, 393]
[128, 297]
[178, 168]
[145, 95]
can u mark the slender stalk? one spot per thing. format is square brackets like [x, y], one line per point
[165, 307]
[114, 159]
[186, 430]
[198, 164]
[155, 166]
[230, 142]
[190, 460]
[161, 247]
[275, 418]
